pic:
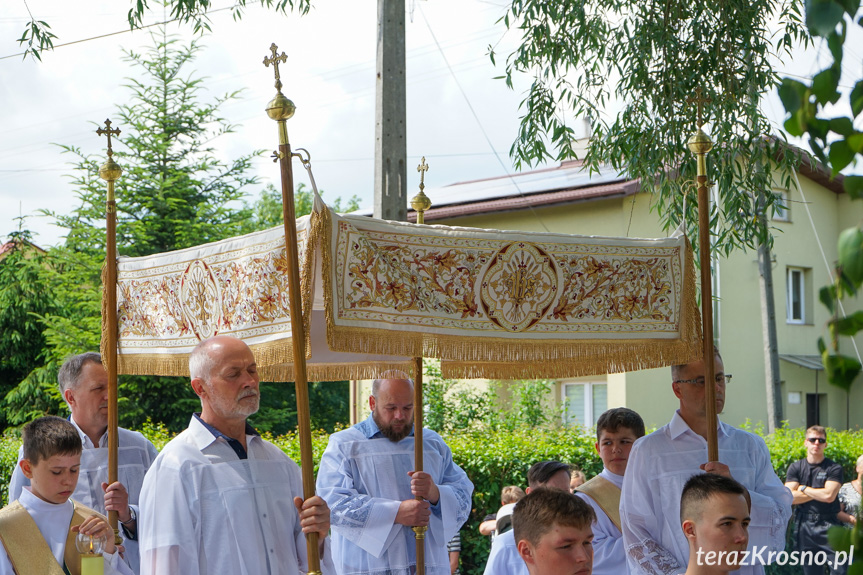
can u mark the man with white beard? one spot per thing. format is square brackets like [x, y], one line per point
[219, 498]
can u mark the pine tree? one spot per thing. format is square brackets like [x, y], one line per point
[174, 193]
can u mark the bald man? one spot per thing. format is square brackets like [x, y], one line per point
[367, 478]
[219, 498]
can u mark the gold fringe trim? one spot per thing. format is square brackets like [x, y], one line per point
[272, 353]
[334, 371]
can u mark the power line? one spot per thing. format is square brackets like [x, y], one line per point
[114, 33]
[479, 123]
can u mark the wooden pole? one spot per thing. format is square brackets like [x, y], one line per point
[280, 109]
[420, 532]
[700, 144]
[110, 172]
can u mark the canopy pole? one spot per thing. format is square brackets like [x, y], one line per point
[699, 144]
[110, 172]
[281, 109]
[420, 203]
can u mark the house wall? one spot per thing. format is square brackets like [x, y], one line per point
[739, 327]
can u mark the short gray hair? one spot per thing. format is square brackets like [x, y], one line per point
[389, 374]
[676, 369]
[201, 361]
[70, 371]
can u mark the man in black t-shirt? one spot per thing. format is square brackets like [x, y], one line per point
[815, 482]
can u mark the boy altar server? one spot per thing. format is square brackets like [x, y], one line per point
[616, 431]
[38, 530]
[714, 515]
[552, 532]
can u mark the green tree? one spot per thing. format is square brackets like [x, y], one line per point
[650, 57]
[23, 299]
[174, 193]
[38, 37]
[838, 142]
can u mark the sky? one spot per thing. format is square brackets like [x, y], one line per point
[459, 115]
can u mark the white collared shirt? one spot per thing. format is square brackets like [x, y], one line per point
[659, 466]
[204, 510]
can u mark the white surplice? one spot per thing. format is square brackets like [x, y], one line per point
[205, 510]
[363, 477]
[134, 457]
[608, 555]
[659, 466]
[503, 559]
[53, 521]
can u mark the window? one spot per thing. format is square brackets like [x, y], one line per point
[781, 207]
[584, 402]
[796, 295]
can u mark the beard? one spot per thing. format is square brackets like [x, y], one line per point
[237, 407]
[390, 432]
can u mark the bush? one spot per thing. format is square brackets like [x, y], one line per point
[494, 459]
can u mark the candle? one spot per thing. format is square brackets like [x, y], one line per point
[92, 565]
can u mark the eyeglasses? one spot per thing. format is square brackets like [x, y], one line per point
[721, 379]
[816, 440]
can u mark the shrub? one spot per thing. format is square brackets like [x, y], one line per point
[494, 459]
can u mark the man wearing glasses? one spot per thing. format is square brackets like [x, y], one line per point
[662, 462]
[815, 481]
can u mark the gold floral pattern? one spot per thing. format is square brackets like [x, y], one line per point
[518, 286]
[486, 281]
[174, 300]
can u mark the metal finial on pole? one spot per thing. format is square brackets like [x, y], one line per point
[420, 202]
[111, 172]
[700, 144]
[281, 109]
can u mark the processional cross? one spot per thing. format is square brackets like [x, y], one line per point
[422, 169]
[699, 99]
[109, 131]
[274, 60]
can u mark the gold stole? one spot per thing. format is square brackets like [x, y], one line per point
[607, 496]
[27, 549]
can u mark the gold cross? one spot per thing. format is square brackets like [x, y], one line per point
[109, 131]
[422, 169]
[275, 62]
[700, 100]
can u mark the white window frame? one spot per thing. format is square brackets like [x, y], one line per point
[790, 282]
[589, 416]
[781, 206]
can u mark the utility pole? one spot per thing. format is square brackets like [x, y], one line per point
[768, 325]
[390, 111]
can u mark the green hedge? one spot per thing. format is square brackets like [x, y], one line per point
[494, 460]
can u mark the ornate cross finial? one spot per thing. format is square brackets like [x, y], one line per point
[274, 60]
[107, 130]
[700, 100]
[422, 169]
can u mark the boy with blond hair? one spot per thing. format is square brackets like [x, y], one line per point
[38, 530]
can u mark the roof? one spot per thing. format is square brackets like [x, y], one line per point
[567, 183]
[6, 249]
[808, 361]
